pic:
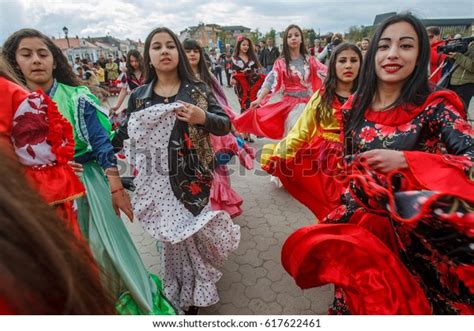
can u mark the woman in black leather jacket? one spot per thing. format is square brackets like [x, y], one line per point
[168, 122]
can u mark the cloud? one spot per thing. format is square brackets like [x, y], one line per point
[135, 19]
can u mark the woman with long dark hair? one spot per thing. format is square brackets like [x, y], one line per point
[297, 75]
[130, 79]
[223, 197]
[40, 64]
[306, 159]
[169, 122]
[410, 155]
[244, 75]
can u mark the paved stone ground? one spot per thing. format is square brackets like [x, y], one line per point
[253, 280]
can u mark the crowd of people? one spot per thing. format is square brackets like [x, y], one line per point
[366, 140]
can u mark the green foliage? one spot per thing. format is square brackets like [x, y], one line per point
[271, 34]
[357, 33]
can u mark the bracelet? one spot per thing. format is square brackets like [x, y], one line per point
[117, 190]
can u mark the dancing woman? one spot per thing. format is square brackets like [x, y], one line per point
[306, 160]
[244, 75]
[169, 120]
[297, 75]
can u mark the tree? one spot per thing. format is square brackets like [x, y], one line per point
[309, 36]
[256, 36]
[271, 34]
[357, 33]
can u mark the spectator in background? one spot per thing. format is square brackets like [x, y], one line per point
[436, 59]
[228, 65]
[216, 65]
[317, 48]
[111, 68]
[336, 39]
[364, 46]
[100, 73]
[103, 62]
[123, 64]
[269, 56]
[80, 72]
[77, 64]
[462, 78]
[259, 52]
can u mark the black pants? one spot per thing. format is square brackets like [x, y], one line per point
[465, 92]
[227, 75]
[218, 74]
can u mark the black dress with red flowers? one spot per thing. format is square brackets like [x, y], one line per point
[423, 214]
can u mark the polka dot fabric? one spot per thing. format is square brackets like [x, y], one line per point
[191, 247]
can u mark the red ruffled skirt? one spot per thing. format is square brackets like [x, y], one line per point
[310, 177]
[269, 120]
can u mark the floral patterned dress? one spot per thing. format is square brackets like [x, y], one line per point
[42, 141]
[410, 232]
[248, 81]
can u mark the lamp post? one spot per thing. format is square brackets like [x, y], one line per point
[66, 30]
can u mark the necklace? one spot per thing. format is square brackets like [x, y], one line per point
[169, 93]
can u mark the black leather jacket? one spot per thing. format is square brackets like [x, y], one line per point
[217, 121]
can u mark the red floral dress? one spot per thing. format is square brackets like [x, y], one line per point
[42, 140]
[408, 235]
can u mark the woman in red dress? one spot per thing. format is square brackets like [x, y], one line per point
[401, 242]
[245, 76]
[297, 75]
[306, 159]
[32, 129]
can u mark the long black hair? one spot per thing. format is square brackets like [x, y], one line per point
[136, 54]
[286, 49]
[185, 72]
[204, 73]
[416, 88]
[250, 52]
[62, 72]
[330, 83]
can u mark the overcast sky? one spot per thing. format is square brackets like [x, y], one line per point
[136, 18]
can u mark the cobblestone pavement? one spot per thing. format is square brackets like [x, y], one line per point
[253, 280]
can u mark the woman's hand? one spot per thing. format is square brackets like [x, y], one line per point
[255, 103]
[121, 202]
[76, 167]
[120, 198]
[384, 160]
[113, 109]
[190, 113]
[233, 82]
